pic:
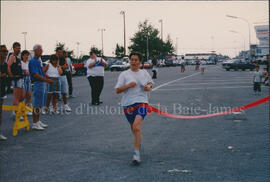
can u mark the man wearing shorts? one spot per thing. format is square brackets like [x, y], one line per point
[39, 89]
[16, 73]
[134, 84]
[63, 79]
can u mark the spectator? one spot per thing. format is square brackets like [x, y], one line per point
[154, 69]
[39, 88]
[203, 66]
[257, 80]
[197, 63]
[182, 65]
[63, 79]
[53, 71]
[95, 75]
[16, 73]
[69, 75]
[3, 75]
[265, 75]
[26, 78]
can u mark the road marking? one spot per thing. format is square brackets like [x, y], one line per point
[223, 83]
[164, 84]
[208, 88]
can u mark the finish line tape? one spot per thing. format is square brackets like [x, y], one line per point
[253, 104]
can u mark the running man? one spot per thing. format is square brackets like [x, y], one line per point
[134, 83]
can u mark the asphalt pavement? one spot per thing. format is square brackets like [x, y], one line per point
[94, 143]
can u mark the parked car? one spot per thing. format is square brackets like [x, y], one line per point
[119, 66]
[169, 62]
[237, 64]
[147, 65]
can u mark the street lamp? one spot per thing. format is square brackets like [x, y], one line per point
[236, 17]
[78, 44]
[176, 46]
[102, 30]
[241, 35]
[147, 47]
[212, 40]
[161, 28]
[24, 34]
[124, 19]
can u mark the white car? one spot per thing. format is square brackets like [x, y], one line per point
[119, 66]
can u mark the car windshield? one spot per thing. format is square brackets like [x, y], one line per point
[118, 63]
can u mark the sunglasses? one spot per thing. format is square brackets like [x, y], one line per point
[4, 51]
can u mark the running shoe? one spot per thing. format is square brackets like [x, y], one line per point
[67, 108]
[2, 137]
[136, 159]
[36, 126]
[42, 124]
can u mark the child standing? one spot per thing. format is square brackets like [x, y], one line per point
[257, 80]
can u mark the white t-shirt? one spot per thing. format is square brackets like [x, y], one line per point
[25, 65]
[137, 93]
[97, 69]
[53, 71]
[257, 76]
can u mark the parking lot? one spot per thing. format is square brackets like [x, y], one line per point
[94, 143]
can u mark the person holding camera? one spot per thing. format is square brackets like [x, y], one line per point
[95, 75]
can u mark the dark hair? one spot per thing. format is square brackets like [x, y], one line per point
[93, 52]
[136, 54]
[58, 48]
[257, 66]
[15, 44]
[53, 57]
[24, 53]
[3, 46]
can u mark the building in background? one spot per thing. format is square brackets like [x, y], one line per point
[261, 51]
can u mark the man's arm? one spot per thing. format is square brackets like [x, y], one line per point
[124, 88]
[65, 66]
[41, 78]
[91, 65]
[103, 62]
[10, 62]
[148, 87]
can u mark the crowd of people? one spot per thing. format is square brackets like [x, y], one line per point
[48, 83]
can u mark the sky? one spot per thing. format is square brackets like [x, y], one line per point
[198, 26]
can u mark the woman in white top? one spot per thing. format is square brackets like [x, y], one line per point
[134, 84]
[26, 78]
[53, 71]
[203, 66]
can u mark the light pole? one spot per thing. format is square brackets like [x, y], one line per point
[241, 35]
[147, 48]
[176, 46]
[102, 30]
[161, 28]
[212, 40]
[24, 34]
[236, 17]
[124, 19]
[78, 44]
